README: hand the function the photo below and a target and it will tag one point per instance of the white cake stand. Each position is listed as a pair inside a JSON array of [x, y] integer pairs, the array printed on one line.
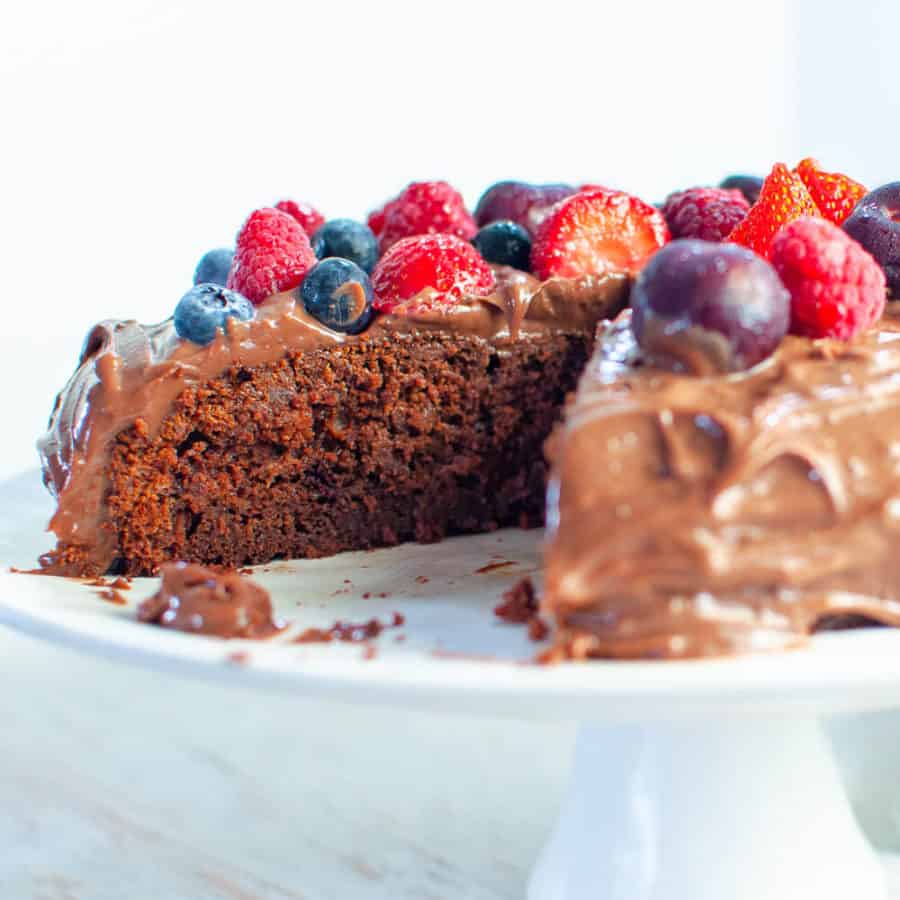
[[691, 781]]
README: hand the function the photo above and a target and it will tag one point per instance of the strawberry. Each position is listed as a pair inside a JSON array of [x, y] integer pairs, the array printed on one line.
[[432, 270], [783, 198], [835, 194], [596, 232]]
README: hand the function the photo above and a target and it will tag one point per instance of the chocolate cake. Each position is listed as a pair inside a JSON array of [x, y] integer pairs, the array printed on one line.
[[285, 438], [709, 515]]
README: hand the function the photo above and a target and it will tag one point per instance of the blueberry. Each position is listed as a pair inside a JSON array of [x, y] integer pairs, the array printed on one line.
[[702, 307], [748, 185], [875, 223], [338, 293], [504, 243], [348, 240], [213, 267], [205, 307]]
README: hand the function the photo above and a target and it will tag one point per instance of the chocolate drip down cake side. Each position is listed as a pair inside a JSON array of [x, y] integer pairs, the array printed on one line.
[[725, 478]]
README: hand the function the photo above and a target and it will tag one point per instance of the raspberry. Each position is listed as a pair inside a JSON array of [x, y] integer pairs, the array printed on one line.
[[710, 214], [596, 232], [837, 289], [375, 220], [783, 198], [272, 254], [310, 219], [833, 193], [446, 266], [426, 207]]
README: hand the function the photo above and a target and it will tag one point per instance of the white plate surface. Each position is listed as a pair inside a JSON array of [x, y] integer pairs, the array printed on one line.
[[455, 655]]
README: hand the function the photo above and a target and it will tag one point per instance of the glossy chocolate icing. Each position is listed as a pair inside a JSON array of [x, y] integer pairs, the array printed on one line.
[[198, 600], [131, 374], [697, 516]]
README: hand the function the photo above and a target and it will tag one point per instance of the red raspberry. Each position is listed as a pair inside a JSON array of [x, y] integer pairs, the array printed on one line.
[[837, 289], [596, 232], [375, 220], [782, 199], [426, 207], [833, 193], [445, 266], [272, 254], [706, 213], [310, 219]]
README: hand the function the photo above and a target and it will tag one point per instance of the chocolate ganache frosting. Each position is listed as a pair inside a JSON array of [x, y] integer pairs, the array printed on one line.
[[131, 374], [198, 600], [709, 515]]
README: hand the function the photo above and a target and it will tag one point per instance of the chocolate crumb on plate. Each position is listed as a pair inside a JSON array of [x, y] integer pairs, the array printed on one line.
[[198, 600]]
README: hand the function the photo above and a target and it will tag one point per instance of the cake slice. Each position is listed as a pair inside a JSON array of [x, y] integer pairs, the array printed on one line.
[[704, 503]]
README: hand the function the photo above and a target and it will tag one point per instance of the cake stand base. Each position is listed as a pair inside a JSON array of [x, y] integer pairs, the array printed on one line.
[[743, 808]]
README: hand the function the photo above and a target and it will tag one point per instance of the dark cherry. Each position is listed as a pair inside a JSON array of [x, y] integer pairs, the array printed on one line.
[[875, 223], [748, 185], [517, 201], [704, 308]]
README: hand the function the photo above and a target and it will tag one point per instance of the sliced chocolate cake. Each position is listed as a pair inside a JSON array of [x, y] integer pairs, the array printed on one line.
[[310, 407]]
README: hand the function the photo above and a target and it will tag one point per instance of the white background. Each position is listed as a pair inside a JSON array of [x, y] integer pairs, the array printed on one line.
[[135, 135]]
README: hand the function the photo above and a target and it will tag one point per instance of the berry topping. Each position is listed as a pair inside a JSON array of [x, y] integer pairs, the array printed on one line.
[[349, 240], [707, 213], [836, 287], [375, 219], [442, 264], [834, 194], [783, 198], [597, 232], [504, 243], [272, 254], [338, 293], [205, 308], [517, 201], [426, 207], [748, 185], [309, 218], [702, 308], [213, 266], [875, 223]]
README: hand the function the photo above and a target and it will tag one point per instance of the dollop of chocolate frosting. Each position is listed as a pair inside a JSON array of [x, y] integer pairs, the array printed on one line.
[[130, 373], [697, 516], [199, 600]]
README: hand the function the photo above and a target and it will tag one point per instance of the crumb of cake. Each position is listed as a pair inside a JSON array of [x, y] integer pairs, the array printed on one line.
[[121, 584], [519, 604], [349, 632], [370, 651], [238, 657], [112, 596], [422, 579], [538, 629], [493, 566]]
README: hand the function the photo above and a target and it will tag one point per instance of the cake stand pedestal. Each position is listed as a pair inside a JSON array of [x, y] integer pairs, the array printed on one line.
[[741, 807]]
